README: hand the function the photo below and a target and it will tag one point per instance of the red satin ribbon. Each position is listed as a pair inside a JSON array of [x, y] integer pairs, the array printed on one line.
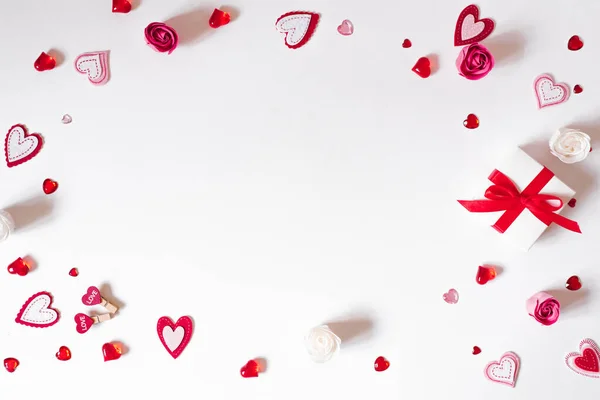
[[503, 195]]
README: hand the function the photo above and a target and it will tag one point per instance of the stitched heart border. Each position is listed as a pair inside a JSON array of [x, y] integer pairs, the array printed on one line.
[[185, 322], [47, 298], [312, 25], [20, 160], [474, 11], [570, 358]]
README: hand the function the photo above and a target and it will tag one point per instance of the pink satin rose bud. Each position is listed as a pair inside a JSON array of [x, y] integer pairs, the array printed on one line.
[[474, 62], [544, 308], [161, 37]]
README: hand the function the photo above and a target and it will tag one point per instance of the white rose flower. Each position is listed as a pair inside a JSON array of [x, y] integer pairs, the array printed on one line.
[[7, 225], [322, 344], [570, 145]]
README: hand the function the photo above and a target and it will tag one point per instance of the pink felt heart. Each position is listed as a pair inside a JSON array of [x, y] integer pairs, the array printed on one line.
[[174, 336], [94, 65], [83, 323], [469, 29], [92, 296], [37, 313], [504, 371], [346, 28], [549, 93], [587, 361]]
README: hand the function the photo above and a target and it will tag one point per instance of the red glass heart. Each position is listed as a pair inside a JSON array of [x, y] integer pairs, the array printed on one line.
[[19, 267], [111, 352], [476, 350], [406, 44], [485, 273], [573, 283], [572, 203], [49, 186], [219, 18], [588, 361], [575, 43], [250, 370], [44, 62], [381, 364], [577, 89], [74, 272], [121, 6], [11, 364], [471, 122], [63, 354], [422, 67]]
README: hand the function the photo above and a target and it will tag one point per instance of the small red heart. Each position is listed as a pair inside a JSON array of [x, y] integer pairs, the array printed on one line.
[[92, 296], [575, 43], [422, 67], [83, 323], [18, 267], [250, 370], [476, 350], [219, 18], [577, 89], [406, 44], [573, 283], [485, 273], [74, 272], [121, 6], [111, 352], [471, 122], [11, 364], [588, 361], [63, 354], [572, 203], [44, 62], [49, 186], [381, 364]]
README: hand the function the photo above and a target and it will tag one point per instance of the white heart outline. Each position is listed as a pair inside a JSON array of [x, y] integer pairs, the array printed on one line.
[[95, 66], [14, 150], [37, 313], [298, 27], [542, 99], [510, 360]]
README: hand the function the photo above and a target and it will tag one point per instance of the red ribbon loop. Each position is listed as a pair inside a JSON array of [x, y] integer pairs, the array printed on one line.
[[504, 195]]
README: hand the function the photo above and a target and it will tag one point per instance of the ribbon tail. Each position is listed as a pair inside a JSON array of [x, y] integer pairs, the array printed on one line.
[[549, 217], [487, 205]]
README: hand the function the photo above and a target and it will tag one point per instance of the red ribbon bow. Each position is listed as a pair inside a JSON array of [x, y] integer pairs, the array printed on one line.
[[503, 195]]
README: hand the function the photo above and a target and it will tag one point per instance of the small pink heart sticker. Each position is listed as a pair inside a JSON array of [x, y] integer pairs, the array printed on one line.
[[346, 28], [83, 323], [92, 296], [451, 297]]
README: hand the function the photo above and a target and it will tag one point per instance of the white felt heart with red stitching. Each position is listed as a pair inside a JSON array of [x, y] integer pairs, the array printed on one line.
[[19, 146], [298, 27]]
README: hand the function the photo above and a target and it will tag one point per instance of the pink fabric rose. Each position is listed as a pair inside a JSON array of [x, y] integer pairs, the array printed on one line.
[[161, 37], [474, 62], [544, 308]]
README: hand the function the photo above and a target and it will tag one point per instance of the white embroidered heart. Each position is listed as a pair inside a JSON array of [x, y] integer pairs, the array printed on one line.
[[470, 28], [20, 146], [36, 312], [504, 371], [549, 93], [94, 65], [173, 338], [297, 26], [587, 361]]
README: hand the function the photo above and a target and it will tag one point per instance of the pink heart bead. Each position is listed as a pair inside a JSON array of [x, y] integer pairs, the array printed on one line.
[[346, 28], [451, 297]]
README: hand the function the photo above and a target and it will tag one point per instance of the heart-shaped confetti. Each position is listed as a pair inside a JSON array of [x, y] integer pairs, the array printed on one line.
[[549, 93], [504, 371], [469, 29], [346, 28], [20, 146], [94, 65], [37, 313], [451, 297], [298, 27], [587, 361], [174, 336]]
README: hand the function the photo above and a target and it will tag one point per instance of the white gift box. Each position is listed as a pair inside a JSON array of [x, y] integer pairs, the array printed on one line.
[[522, 170]]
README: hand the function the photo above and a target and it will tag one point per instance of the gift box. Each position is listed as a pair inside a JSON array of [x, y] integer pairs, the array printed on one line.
[[520, 199]]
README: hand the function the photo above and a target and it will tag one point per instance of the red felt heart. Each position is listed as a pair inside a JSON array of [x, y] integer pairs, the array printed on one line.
[[92, 296], [422, 67], [575, 43], [470, 29], [174, 336], [111, 352], [588, 361]]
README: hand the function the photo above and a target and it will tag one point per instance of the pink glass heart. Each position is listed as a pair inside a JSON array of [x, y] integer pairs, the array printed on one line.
[[66, 119], [451, 297], [346, 28]]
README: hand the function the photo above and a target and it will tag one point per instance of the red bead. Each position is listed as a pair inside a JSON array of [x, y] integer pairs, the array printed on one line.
[[577, 89], [219, 18], [74, 272], [381, 364], [19, 267], [49, 186], [476, 350], [471, 122], [63, 354], [11, 364], [573, 283], [422, 67], [485, 273], [575, 43], [111, 351], [44, 62], [121, 6], [250, 370], [572, 203], [406, 44]]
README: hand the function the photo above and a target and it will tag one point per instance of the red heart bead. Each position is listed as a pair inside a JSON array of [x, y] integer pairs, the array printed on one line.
[[572, 203], [74, 272], [11, 364], [406, 44], [44, 62], [19, 267], [577, 89], [219, 18], [63, 354], [250, 370], [381, 364], [49, 186], [485, 273], [111, 352], [575, 43], [471, 122], [476, 350], [422, 67], [573, 283], [121, 6]]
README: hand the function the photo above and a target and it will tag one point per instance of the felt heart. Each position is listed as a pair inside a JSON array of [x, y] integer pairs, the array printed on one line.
[[174, 336], [83, 323], [19, 146], [37, 313], [587, 361], [470, 29], [549, 93], [346, 28], [92, 297], [504, 371], [298, 27], [422, 67], [94, 65]]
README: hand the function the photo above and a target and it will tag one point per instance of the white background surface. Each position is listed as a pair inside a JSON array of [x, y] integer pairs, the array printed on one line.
[[263, 191]]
